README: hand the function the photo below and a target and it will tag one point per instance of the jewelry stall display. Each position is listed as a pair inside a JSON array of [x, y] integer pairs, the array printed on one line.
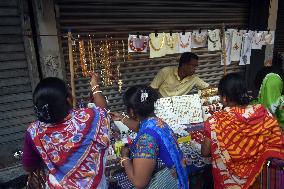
[[75, 57], [214, 40], [228, 46], [178, 110], [257, 40], [164, 109], [105, 57], [187, 109], [83, 60], [117, 59], [91, 54], [172, 40], [269, 37], [246, 48], [210, 102], [236, 45], [199, 39], [138, 43], [184, 42], [157, 45]]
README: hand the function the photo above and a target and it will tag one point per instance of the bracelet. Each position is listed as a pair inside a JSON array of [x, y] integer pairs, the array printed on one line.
[[97, 92], [123, 159], [94, 87], [123, 118]]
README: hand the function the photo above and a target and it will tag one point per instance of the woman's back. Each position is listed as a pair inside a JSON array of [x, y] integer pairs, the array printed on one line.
[[73, 150]]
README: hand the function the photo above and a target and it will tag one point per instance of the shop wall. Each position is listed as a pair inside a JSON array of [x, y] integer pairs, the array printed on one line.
[[120, 18]]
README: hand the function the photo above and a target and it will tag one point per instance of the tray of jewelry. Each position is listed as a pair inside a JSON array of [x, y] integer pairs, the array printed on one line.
[[179, 109]]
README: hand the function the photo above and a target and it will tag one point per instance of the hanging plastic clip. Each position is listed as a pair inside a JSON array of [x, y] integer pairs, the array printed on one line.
[[156, 33]]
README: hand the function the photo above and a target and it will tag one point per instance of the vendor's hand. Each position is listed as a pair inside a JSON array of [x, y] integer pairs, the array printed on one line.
[[116, 116], [125, 152], [94, 79]]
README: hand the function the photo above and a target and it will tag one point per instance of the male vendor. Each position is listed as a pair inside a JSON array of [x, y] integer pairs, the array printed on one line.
[[176, 81]]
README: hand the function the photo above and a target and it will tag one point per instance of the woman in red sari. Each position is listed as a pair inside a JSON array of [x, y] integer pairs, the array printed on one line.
[[240, 138], [71, 144]]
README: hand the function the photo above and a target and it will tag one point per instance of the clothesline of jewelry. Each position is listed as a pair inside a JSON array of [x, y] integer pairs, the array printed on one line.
[[88, 59]]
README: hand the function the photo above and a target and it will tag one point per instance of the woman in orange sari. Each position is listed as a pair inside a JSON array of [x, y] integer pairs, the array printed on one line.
[[240, 138]]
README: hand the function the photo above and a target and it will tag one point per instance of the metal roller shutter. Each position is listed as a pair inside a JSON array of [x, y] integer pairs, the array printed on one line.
[[16, 107], [279, 36], [120, 18]]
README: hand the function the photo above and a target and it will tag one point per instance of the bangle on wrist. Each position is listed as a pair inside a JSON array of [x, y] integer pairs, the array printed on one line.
[[95, 92], [123, 118], [94, 88], [123, 159]]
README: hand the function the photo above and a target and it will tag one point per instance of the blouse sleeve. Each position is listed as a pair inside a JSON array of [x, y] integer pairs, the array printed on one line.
[[31, 158], [146, 147]]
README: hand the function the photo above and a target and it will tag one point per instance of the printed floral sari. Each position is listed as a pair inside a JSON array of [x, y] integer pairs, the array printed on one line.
[[74, 151]]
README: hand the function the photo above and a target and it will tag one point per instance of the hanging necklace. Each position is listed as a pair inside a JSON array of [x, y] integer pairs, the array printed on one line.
[[83, 59], [138, 44], [213, 38], [171, 41], [268, 38], [258, 37], [248, 46], [199, 38], [236, 45], [182, 44], [161, 45]]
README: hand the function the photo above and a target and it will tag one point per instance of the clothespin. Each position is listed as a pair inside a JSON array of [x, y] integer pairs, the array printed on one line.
[[183, 32], [137, 34], [199, 30], [156, 33], [171, 33]]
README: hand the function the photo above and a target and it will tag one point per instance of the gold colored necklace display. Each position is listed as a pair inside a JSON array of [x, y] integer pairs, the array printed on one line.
[[161, 45], [106, 62], [171, 41], [83, 60], [75, 55]]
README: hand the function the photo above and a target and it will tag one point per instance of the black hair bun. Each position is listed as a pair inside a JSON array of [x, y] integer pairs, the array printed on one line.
[[141, 99]]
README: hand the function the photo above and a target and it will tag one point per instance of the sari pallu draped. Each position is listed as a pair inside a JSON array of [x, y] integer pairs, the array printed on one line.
[[167, 137], [242, 139], [75, 150]]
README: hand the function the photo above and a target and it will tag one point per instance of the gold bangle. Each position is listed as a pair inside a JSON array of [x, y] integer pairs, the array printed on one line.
[[122, 160]]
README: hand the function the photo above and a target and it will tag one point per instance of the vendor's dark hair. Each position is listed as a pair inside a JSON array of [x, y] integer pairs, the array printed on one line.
[[50, 100], [186, 57], [141, 99], [233, 87]]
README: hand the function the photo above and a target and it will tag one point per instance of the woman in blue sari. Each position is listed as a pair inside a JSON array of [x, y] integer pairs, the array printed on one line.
[[154, 159]]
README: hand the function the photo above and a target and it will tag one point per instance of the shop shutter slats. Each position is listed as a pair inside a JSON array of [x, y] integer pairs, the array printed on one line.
[[279, 36], [117, 19], [16, 107]]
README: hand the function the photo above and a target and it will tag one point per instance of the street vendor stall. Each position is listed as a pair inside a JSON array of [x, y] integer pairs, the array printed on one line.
[[185, 115]]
